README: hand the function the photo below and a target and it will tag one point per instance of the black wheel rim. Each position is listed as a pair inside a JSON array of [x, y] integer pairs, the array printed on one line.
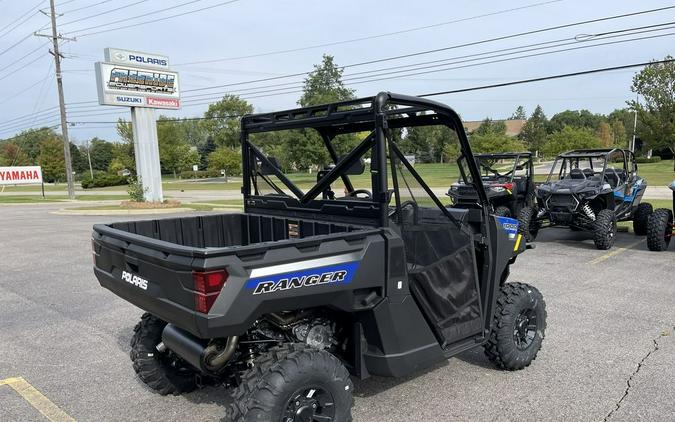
[[525, 329], [310, 404]]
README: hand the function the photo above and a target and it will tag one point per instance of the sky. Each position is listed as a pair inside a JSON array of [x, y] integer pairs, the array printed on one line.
[[249, 40]]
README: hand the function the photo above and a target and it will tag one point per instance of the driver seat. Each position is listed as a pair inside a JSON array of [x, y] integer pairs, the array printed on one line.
[[577, 174]]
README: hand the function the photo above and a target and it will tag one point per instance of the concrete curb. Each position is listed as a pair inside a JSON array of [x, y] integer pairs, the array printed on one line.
[[66, 211]]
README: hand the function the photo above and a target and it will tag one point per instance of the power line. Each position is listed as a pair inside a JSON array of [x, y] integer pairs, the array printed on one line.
[[461, 90], [21, 67], [116, 9], [383, 35], [84, 7], [40, 47], [418, 53], [13, 21], [158, 19]]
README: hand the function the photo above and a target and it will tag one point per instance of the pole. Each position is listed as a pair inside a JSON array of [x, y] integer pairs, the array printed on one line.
[[62, 104], [146, 149], [91, 169], [632, 144]]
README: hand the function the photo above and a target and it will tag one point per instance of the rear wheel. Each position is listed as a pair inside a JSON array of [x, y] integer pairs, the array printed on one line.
[[518, 327], [659, 230], [604, 229], [161, 371], [642, 213], [294, 383], [528, 225], [502, 211]]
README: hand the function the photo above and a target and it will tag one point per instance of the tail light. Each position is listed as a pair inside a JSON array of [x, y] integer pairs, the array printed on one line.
[[208, 286]]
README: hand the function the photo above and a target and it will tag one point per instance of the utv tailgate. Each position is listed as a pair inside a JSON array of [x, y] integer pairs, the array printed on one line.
[[134, 261]]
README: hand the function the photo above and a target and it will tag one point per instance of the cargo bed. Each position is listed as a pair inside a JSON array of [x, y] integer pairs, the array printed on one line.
[[151, 263]]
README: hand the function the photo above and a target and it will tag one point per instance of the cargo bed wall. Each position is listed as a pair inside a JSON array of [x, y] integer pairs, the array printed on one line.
[[213, 231]]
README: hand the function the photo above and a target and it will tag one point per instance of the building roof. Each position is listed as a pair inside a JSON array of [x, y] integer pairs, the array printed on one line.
[[513, 127]]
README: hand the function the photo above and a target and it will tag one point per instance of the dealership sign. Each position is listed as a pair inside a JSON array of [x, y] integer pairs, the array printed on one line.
[[134, 79], [26, 175]]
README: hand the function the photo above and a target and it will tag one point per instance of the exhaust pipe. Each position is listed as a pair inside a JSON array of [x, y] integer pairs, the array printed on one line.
[[193, 351]]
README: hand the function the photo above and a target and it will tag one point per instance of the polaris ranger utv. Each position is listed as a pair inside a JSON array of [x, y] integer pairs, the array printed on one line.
[[286, 300], [660, 228], [508, 182], [590, 190]]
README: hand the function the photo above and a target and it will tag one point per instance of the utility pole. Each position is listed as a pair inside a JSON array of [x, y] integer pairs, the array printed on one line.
[[632, 143], [91, 170], [62, 103]]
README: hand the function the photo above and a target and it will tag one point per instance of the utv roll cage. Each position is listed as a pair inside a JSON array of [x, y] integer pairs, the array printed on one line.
[[605, 154], [516, 156], [376, 115]]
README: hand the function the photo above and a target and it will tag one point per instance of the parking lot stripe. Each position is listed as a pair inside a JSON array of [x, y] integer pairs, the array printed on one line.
[[36, 399], [615, 252]]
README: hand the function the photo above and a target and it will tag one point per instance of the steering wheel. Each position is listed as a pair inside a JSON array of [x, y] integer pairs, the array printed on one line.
[[353, 193]]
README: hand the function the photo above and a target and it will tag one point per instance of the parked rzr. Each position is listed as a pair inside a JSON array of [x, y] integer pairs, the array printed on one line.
[[660, 227], [508, 182], [590, 190], [309, 286]]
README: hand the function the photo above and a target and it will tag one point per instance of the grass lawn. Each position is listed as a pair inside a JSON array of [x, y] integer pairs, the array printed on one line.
[[657, 174]]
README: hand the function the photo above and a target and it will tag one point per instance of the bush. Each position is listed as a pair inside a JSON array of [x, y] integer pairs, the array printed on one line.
[[136, 190], [201, 174], [103, 180], [645, 160]]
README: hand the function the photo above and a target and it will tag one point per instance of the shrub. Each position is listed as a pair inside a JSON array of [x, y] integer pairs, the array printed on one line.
[[201, 174], [136, 191], [103, 180], [645, 160]]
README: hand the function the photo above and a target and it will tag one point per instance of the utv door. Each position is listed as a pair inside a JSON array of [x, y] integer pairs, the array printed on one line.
[[440, 258]]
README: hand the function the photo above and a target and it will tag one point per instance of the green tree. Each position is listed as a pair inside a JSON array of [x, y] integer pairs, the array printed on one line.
[[101, 152], [534, 130], [324, 85], [519, 114], [12, 155], [623, 121], [604, 132], [80, 164], [656, 111], [222, 120], [575, 118], [491, 137], [570, 138], [29, 141], [228, 159], [175, 154], [51, 159]]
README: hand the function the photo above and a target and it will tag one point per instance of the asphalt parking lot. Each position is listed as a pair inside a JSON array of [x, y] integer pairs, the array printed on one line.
[[608, 353]]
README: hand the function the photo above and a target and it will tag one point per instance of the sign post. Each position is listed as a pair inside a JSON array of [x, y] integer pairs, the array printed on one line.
[[143, 82]]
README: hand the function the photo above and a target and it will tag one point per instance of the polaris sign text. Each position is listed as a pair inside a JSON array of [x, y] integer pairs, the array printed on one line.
[[25, 175], [135, 79], [135, 58]]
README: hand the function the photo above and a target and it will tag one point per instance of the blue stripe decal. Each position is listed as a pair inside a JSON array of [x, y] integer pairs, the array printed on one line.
[[509, 225], [332, 274]]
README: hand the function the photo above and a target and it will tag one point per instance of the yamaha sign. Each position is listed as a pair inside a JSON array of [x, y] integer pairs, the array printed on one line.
[[136, 79]]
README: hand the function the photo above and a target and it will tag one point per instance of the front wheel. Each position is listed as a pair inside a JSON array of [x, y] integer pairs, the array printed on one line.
[[604, 229], [659, 230], [518, 327], [528, 225], [293, 383], [642, 213]]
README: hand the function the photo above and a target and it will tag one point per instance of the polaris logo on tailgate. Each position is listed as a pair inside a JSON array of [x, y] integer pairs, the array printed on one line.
[[329, 275], [135, 280]]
